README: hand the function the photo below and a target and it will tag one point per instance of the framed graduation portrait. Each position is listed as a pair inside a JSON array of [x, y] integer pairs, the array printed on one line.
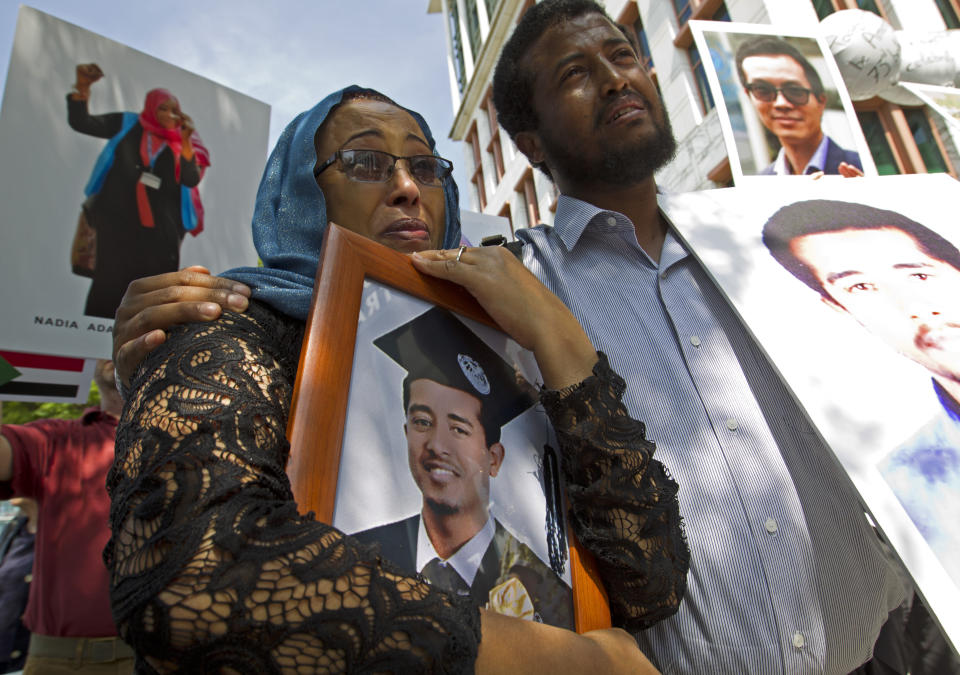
[[416, 426]]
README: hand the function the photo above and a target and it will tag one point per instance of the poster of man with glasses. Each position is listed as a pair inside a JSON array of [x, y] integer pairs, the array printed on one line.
[[781, 103]]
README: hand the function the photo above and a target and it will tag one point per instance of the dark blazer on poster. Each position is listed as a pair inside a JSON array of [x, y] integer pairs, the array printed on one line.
[[506, 556], [835, 155]]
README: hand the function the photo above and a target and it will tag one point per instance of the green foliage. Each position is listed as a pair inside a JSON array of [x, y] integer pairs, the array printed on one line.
[[20, 412]]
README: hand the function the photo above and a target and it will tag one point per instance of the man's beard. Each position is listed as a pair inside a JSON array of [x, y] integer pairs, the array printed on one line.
[[625, 164], [440, 508]]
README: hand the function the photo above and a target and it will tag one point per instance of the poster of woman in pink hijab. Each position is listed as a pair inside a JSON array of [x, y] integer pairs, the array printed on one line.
[[142, 196], [118, 165]]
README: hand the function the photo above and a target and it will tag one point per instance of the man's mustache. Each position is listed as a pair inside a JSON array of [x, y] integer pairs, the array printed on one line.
[[629, 96]]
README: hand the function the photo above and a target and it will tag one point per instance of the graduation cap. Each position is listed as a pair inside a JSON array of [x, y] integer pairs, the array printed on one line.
[[437, 346]]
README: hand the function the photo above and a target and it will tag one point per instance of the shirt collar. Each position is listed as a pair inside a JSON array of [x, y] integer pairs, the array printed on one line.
[[466, 561], [816, 163], [574, 215], [673, 250]]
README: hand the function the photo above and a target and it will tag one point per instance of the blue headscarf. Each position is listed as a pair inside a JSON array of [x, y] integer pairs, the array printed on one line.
[[290, 215]]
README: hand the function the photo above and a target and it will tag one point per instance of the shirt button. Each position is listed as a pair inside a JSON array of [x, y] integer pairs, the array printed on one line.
[[27, 579], [771, 526], [15, 654], [611, 221], [732, 425], [694, 340], [798, 640]]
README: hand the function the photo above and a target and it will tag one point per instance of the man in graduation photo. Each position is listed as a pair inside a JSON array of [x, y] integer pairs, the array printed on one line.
[[457, 395]]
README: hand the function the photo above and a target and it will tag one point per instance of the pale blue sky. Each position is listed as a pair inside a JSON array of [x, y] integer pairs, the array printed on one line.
[[288, 53]]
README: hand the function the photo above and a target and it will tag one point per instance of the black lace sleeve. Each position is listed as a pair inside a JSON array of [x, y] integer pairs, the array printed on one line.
[[212, 569], [623, 504]]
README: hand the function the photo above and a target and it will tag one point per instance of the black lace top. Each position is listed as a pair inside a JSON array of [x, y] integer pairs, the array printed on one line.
[[213, 569]]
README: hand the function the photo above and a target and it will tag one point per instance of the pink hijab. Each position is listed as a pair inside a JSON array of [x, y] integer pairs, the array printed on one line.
[[156, 136]]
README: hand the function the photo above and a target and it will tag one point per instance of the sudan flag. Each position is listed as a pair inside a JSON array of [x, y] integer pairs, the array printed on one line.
[[40, 377]]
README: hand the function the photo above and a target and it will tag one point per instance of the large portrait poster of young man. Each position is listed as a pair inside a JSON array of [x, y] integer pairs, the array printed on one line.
[[782, 104], [116, 165], [445, 462], [851, 288]]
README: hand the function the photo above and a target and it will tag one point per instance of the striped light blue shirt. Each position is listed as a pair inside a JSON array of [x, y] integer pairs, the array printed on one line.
[[786, 574]]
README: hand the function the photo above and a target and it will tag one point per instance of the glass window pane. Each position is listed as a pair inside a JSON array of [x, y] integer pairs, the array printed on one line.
[[491, 8], [877, 140], [926, 141], [700, 75], [824, 8], [458, 65], [645, 56], [949, 14], [473, 27], [683, 10], [870, 6]]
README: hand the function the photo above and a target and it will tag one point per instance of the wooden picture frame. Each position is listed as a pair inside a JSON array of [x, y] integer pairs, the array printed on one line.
[[324, 376]]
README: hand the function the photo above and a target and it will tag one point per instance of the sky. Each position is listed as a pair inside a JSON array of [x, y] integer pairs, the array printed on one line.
[[287, 53]]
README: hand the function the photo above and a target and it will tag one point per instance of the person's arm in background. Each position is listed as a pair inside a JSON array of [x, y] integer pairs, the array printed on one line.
[[78, 117], [25, 451], [190, 171], [6, 459]]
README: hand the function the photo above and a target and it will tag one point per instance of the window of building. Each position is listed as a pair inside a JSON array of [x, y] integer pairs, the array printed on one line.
[[631, 24], [826, 7], [927, 141], [455, 42], [494, 147], [902, 140], [683, 9], [528, 199], [950, 12], [868, 5], [479, 189], [473, 27], [706, 10], [876, 137], [823, 8], [700, 77], [505, 213], [522, 210], [721, 175], [646, 58]]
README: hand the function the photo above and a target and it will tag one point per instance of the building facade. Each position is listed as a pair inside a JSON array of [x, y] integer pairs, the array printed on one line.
[[902, 139]]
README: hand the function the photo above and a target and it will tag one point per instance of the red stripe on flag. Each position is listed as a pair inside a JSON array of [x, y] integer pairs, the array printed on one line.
[[43, 361]]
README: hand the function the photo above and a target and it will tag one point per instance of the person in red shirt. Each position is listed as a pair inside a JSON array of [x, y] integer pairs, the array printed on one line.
[[63, 464]]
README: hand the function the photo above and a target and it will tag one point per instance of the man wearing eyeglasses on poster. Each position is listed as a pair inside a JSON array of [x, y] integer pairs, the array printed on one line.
[[788, 95]]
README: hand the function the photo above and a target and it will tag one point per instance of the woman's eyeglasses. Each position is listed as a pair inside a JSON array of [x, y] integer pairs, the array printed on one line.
[[766, 92], [375, 166]]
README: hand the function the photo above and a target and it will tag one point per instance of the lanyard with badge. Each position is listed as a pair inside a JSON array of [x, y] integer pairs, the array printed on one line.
[[148, 178]]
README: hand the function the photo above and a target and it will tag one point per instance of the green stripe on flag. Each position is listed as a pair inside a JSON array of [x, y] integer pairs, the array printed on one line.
[[7, 372]]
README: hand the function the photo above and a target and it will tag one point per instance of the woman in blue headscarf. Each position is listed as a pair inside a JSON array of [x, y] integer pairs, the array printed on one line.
[[212, 566]]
